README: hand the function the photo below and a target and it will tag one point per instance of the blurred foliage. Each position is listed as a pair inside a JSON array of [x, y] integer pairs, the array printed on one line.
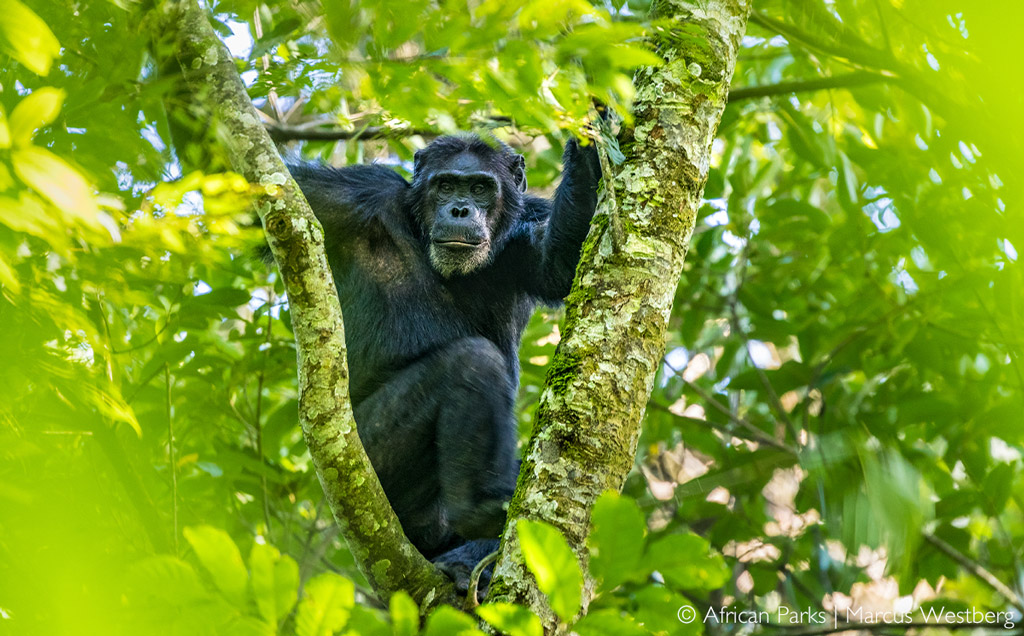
[[843, 383]]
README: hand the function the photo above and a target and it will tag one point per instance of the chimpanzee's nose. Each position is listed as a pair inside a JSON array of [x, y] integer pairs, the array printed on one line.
[[460, 212]]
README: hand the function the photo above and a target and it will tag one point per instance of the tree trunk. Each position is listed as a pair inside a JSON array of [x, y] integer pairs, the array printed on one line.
[[588, 422], [367, 521]]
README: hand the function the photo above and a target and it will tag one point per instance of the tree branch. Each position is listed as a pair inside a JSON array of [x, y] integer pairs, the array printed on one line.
[[281, 133], [845, 80], [842, 43], [356, 498], [976, 569]]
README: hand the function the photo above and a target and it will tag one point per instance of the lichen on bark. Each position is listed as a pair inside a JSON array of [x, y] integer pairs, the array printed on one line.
[[588, 422], [382, 552]]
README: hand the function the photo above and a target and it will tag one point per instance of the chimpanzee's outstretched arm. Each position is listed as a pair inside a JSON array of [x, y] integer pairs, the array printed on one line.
[[559, 240]]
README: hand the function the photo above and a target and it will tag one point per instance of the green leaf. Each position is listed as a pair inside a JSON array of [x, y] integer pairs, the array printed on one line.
[[608, 622], [448, 621], [627, 56], [998, 487], [275, 582], [219, 555], [849, 187], [366, 621], [685, 561], [510, 619], [26, 38], [5, 139], [36, 110], [405, 616], [325, 607], [225, 297], [660, 610], [553, 564], [616, 539], [8, 278], [164, 578]]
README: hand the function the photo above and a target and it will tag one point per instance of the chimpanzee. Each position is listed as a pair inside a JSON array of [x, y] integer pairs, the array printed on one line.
[[437, 280]]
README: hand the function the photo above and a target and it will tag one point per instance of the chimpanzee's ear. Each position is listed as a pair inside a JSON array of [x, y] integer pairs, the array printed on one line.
[[519, 172], [417, 161]]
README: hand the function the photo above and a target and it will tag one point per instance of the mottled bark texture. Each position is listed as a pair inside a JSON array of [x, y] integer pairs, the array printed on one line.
[[588, 422], [360, 507]]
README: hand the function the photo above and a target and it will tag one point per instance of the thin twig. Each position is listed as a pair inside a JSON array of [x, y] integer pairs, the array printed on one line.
[[258, 421], [171, 454], [976, 569], [845, 80], [754, 431], [474, 579], [752, 436], [733, 302]]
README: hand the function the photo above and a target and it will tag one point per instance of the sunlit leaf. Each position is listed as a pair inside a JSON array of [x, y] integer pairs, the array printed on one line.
[[514, 620], [608, 622], [7, 276], [685, 562], [52, 177], [219, 555], [448, 621], [325, 606], [26, 38], [37, 109], [553, 564], [275, 582], [616, 540], [405, 616], [5, 134]]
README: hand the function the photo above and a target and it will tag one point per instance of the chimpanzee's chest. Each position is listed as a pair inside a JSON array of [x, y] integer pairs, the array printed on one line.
[[397, 309]]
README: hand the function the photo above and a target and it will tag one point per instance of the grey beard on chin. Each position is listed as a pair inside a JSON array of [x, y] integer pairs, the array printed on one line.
[[450, 263]]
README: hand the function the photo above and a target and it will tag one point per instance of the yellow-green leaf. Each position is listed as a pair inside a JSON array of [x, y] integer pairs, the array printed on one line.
[[405, 616], [553, 564], [26, 38], [326, 605], [448, 621], [36, 110], [510, 619], [5, 130], [219, 555], [108, 401], [275, 582], [62, 185], [8, 278]]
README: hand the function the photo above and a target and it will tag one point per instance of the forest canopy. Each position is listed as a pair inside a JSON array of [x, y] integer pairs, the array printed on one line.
[[836, 428]]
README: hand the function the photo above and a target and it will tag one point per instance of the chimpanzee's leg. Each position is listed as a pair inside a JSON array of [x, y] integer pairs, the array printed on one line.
[[459, 562], [441, 437], [476, 439]]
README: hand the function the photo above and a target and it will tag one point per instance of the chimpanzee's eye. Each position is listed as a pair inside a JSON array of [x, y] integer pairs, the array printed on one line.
[[446, 186], [479, 189]]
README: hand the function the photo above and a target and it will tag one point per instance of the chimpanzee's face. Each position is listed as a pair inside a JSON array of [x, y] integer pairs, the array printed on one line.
[[462, 212]]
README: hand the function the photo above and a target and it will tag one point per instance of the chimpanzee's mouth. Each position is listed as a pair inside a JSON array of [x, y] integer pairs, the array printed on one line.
[[458, 243]]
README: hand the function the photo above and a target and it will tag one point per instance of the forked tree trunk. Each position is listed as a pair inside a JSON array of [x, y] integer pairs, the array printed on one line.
[[585, 438], [586, 430]]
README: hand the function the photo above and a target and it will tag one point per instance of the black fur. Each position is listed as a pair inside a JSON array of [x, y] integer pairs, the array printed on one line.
[[433, 355]]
